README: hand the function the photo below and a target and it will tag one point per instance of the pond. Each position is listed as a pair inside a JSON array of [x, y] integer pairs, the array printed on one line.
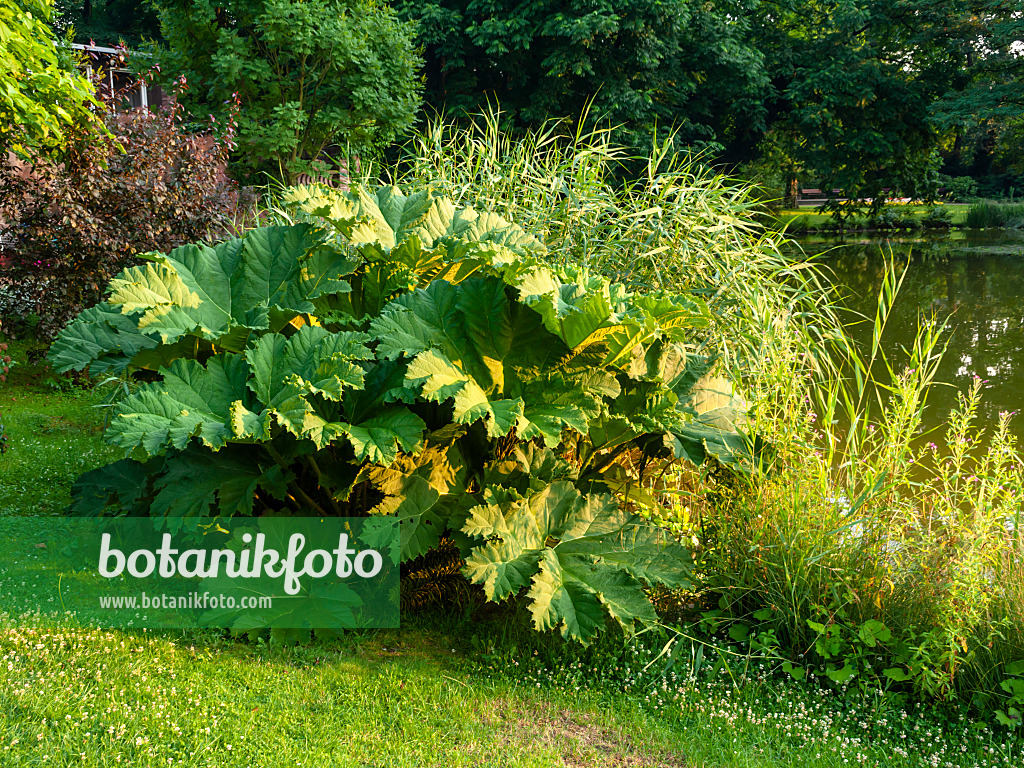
[[973, 278]]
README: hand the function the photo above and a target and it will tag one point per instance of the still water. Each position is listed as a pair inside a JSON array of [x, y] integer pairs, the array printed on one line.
[[973, 278]]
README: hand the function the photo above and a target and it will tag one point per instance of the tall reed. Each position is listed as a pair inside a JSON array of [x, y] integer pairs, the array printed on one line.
[[990, 214], [661, 220], [868, 519]]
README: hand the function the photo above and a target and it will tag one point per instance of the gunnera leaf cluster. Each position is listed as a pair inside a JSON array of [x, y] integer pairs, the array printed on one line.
[[390, 354]]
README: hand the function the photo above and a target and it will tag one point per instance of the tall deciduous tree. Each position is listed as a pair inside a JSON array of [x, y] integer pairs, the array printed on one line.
[[109, 22], [872, 86], [682, 63], [311, 74], [40, 94]]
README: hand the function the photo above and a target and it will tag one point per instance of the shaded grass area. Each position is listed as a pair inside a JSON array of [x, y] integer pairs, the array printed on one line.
[[476, 689]]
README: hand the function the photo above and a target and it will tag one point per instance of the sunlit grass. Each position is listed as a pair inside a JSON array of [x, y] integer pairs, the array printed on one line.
[[95, 698], [809, 217], [53, 437], [746, 713], [440, 692]]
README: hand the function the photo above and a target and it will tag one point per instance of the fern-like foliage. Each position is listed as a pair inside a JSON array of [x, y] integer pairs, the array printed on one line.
[[391, 354]]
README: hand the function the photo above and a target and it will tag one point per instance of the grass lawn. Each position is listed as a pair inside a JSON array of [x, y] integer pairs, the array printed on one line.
[[54, 437], [809, 216], [473, 688]]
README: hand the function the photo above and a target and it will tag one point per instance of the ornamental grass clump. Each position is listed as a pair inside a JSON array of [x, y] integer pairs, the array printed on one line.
[[393, 354]]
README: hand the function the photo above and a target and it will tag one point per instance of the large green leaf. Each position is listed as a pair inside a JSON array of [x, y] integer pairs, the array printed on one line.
[[581, 555], [311, 361], [475, 325], [470, 344], [420, 512], [552, 404], [386, 218], [286, 371], [422, 489], [123, 485], [585, 311], [193, 400], [378, 439], [101, 339], [441, 380], [219, 295], [566, 595], [193, 482]]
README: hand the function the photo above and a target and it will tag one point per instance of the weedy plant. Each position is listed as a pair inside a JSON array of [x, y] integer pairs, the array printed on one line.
[[394, 354], [873, 553]]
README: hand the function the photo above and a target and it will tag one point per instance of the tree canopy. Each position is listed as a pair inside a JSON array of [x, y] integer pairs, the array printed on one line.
[[109, 22], [41, 94], [872, 87], [862, 95], [683, 63], [859, 94], [309, 74]]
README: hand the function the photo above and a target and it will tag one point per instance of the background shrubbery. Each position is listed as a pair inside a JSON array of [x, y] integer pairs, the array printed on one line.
[[81, 214]]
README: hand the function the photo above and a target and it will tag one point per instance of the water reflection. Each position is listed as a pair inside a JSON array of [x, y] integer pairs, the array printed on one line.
[[974, 278]]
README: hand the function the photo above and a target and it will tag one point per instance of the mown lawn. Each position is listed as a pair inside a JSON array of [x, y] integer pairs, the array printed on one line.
[[55, 433], [809, 217], [474, 688]]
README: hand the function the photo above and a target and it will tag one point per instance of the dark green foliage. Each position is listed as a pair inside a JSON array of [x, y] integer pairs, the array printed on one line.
[[683, 63], [872, 89], [109, 22], [396, 355], [313, 77]]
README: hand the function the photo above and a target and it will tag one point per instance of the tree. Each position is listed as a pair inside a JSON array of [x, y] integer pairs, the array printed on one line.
[[311, 74], [109, 22], [873, 87], [680, 63], [41, 94], [984, 44]]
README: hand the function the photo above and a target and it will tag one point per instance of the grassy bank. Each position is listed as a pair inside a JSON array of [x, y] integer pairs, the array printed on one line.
[[990, 214], [795, 220]]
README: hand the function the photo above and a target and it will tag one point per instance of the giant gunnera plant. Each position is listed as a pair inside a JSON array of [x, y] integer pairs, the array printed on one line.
[[389, 354]]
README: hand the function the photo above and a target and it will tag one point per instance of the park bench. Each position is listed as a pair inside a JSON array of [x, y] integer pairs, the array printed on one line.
[[810, 197]]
